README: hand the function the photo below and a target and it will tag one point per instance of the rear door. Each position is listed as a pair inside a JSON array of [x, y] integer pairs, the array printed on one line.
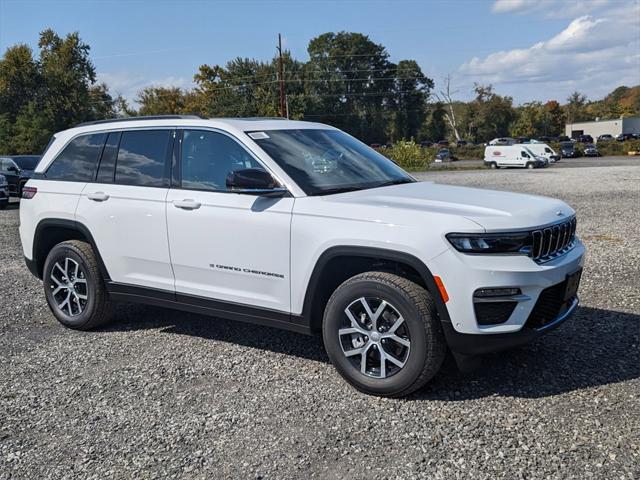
[[124, 207], [226, 246]]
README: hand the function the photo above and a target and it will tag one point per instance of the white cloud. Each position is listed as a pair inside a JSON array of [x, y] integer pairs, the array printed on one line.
[[556, 8], [594, 53], [129, 84]]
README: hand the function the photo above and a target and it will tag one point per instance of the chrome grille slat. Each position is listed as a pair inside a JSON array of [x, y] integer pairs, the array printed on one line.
[[550, 242]]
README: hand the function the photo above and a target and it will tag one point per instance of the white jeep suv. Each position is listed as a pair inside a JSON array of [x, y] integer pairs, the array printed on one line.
[[299, 226]]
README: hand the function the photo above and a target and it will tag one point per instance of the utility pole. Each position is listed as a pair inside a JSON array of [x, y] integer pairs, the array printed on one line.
[[283, 107]]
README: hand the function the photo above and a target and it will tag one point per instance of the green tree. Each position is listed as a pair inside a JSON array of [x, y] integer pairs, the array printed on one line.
[[529, 121], [575, 109], [553, 118], [51, 93], [161, 101], [411, 92], [490, 114], [435, 126], [350, 84]]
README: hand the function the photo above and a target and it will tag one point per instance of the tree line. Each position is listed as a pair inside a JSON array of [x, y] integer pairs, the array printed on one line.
[[348, 81]]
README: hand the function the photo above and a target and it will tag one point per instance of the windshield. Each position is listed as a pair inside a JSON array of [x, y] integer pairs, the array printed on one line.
[[328, 161], [27, 163]]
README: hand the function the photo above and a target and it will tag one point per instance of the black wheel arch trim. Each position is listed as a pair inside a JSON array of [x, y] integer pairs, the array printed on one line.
[[380, 253], [69, 225]]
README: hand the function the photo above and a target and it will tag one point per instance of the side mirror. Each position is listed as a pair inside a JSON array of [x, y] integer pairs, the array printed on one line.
[[254, 181], [13, 168]]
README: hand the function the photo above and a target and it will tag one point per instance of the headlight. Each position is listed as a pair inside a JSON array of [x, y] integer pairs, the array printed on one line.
[[491, 242]]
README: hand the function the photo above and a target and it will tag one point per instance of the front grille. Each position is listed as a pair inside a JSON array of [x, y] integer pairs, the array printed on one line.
[[493, 313], [553, 241], [549, 306]]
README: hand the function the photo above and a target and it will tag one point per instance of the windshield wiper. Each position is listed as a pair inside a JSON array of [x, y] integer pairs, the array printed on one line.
[[397, 181], [330, 191]]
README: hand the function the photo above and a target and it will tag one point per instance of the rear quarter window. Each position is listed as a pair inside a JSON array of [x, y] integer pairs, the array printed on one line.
[[77, 162]]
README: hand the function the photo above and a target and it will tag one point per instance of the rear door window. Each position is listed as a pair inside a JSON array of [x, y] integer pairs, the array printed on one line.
[[143, 158], [77, 162], [107, 167]]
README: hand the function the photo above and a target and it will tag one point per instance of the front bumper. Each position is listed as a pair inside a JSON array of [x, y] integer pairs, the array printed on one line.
[[463, 274]]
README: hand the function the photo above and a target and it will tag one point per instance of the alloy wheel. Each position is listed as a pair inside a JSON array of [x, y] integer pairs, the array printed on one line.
[[374, 337], [69, 287]]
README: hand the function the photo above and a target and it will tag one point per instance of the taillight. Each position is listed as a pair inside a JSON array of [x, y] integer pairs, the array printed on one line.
[[29, 192]]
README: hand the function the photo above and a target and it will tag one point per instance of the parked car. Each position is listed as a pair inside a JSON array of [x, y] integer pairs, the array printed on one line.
[[502, 141], [445, 155], [564, 138], [497, 156], [231, 218], [4, 192], [376, 145], [523, 140], [590, 150], [426, 144], [605, 138], [443, 143], [585, 138], [18, 169], [625, 136], [461, 143], [568, 150]]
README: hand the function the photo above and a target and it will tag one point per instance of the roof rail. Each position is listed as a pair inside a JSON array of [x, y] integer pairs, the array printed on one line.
[[250, 118], [140, 118]]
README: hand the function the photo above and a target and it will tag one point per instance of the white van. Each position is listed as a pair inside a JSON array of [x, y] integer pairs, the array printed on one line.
[[512, 156], [544, 150]]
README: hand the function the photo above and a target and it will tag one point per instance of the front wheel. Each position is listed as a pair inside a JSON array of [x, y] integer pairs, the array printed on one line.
[[530, 166], [74, 287], [383, 335]]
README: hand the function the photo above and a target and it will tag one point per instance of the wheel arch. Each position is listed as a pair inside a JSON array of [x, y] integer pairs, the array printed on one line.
[[52, 231], [348, 261]]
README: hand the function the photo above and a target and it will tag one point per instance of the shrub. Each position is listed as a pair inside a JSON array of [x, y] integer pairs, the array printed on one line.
[[409, 155]]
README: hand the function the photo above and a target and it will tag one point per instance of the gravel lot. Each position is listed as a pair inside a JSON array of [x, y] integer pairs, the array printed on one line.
[[167, 394]]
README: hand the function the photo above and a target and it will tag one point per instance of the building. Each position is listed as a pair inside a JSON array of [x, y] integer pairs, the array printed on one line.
[[602, 127]]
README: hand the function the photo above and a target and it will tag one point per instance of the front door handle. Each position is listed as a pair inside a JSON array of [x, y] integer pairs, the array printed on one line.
[[186, 204], [98, 196]]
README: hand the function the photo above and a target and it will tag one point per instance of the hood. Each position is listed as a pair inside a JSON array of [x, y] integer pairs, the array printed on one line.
[[492, 210]]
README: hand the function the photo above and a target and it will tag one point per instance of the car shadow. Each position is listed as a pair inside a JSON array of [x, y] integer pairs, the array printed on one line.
[[141, 317], [595, 347]]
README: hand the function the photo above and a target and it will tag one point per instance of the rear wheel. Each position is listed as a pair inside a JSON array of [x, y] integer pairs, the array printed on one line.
[[493, 165], [74, 287], [383, 335]]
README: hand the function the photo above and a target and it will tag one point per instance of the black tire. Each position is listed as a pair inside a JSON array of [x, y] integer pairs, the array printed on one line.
[[97, 309], [530, 166], [421, 324], [493, 166]]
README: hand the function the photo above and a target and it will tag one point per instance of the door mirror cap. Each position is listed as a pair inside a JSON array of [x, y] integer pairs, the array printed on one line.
[[254, 181]]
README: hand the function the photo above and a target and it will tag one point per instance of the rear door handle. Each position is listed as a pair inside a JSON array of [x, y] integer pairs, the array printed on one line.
[[98, 196], [186, 204]]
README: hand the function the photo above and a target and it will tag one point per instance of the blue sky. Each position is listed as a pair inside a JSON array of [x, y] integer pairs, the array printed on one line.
[[532, 50]]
